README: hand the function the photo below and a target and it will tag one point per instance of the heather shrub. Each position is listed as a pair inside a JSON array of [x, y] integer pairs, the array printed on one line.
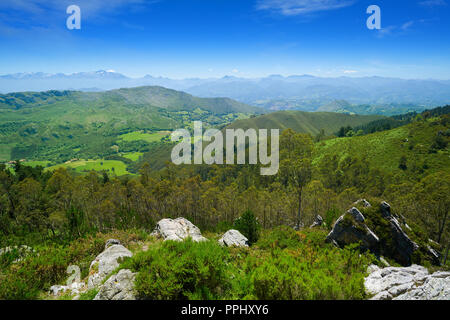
[[181, 270]]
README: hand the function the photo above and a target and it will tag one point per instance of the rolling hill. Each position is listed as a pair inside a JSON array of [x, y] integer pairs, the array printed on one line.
[[62, 125], [305, 122], [140, 96]]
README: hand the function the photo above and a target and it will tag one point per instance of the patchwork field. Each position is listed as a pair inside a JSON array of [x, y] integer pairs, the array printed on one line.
[[111, 166], [140, 135]]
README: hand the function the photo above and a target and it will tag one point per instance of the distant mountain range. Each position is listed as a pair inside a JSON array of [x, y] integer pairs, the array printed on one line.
[[275, 92]]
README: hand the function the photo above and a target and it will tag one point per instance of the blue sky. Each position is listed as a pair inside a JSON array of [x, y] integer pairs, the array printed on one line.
[[213, 38]]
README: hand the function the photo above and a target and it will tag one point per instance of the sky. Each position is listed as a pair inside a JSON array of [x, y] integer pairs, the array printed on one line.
[[214, 38]]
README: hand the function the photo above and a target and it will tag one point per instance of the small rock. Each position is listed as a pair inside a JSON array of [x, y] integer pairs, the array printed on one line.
[[118, 287], [57, 289], [177, 230], [317, 222], [233, 238], [110, 242]]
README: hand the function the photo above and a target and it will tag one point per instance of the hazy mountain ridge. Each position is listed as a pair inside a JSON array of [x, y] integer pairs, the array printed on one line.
[[275, 92], [148, 95]]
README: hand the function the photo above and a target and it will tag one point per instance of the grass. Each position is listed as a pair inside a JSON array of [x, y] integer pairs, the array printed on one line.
[[36, 163], [140, 135], [111, 166], [133, 156]]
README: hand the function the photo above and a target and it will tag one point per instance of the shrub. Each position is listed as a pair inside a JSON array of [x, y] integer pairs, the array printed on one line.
[[306, 273], [280, 237], [181, 270], [331, 216], [248, 225]]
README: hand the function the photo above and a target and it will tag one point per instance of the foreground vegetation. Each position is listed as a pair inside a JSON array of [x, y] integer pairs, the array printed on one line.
[[297, 265], [66, 217]]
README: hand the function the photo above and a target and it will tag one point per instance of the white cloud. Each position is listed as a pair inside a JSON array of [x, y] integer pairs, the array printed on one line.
[[432, 3], [301, 7], [235, 70], [350, 71], [88, 6], [407, 25]]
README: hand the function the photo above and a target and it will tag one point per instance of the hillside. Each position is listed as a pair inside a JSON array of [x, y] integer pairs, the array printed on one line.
[[304, 122], [416, 142], [150, 95], [62, 125]]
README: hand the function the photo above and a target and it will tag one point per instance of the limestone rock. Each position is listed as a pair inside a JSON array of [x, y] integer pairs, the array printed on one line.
[[344, 233], [404, 246], [118, 287], [233, 238], [356, 214], [385, 209], [407, 283], [105, 263], [318, 221], [177, 229], [110, 242]]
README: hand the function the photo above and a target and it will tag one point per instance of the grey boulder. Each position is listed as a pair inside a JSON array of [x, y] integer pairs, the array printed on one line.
[[233, 238], [344, 233], [177, 229], [105, 263], [118, 287]]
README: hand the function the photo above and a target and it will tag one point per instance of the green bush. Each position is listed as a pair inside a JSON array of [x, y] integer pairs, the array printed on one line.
[[248, 225], [181, 270], [331, 216], [279, 237], [38, 271], [308, 273]]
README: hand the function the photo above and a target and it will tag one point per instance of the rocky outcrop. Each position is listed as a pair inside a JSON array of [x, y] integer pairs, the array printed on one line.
[[118, 287], [177, 229], [318, 221], [233, 238], [105, 263], [381, 232], [407, 283], [350, 228], [403, 245]]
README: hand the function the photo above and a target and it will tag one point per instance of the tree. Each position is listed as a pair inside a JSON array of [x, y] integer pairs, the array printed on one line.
[[402, 164], [295, 165], [434, 191], [248, 225]]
